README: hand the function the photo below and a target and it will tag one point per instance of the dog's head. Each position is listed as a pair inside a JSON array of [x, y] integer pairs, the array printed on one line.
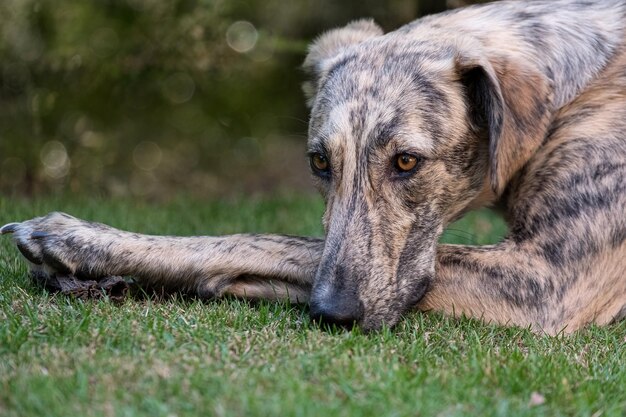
[[405, 135]]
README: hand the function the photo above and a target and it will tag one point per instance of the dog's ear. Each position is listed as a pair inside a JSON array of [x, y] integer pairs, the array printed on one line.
[[330, 45], [513, 102]]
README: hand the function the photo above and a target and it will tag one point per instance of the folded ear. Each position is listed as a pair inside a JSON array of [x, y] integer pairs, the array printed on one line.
[[330, 45], [513, 101]]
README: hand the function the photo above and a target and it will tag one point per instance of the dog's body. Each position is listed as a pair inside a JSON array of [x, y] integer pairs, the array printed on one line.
[[515, 104]]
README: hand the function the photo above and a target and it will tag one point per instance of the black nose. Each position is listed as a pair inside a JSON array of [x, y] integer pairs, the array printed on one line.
[[337, 312]]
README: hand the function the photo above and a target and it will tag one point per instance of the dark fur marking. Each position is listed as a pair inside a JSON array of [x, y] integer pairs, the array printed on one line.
[[385, 132], [436, 108], [567, 208], [55, 263], [25, 251], [521, 290], [618, 236], [336, 68]]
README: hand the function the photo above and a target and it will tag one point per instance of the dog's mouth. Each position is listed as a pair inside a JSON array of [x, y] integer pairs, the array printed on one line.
[[385, 307]]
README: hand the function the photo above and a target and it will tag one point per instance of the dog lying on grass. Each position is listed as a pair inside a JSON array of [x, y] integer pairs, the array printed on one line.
[[519, 105]]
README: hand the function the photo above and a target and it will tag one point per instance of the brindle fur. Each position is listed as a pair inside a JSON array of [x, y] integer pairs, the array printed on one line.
[[516, 104]]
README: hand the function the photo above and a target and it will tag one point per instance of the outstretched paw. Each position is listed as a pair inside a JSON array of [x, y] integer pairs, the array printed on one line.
[[59, 244]]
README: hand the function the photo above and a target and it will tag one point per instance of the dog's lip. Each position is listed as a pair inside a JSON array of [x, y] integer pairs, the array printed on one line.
[[374, 320]]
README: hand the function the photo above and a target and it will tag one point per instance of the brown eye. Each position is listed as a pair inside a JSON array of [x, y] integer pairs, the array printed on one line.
[[319, 162], [406, 162]]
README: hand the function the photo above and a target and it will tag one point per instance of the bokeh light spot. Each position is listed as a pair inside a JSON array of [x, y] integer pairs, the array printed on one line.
[[178, 88], [242, 36], [147, 156], [55, 160], [90, 139]]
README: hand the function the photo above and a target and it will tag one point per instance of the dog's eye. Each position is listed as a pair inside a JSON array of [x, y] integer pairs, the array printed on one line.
[[406, 163], [319, 163]]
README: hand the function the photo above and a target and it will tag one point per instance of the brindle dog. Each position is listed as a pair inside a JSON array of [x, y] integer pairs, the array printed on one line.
[[516, 104]]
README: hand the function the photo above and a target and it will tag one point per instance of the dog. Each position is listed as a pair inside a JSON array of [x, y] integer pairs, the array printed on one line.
[[516, 105]]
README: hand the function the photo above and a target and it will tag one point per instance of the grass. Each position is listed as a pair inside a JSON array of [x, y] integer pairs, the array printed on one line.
[[180, 357]]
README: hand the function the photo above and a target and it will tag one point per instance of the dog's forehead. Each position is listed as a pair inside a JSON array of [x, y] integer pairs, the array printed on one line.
[[373, 94], [380, 71], [370, 123]]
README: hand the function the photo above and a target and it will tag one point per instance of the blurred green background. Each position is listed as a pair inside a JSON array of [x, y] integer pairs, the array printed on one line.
[[154, 98]]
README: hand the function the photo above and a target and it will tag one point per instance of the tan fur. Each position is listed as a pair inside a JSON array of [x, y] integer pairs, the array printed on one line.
[[522, 88]]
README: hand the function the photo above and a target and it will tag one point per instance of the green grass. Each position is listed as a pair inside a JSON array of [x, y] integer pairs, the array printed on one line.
[[180, 357]]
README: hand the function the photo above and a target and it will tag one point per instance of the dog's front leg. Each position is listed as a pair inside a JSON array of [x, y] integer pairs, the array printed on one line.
[[252, 266], [496, 283]]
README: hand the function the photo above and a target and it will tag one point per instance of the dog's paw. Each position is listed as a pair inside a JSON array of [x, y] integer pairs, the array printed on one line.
[[61, 244]]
